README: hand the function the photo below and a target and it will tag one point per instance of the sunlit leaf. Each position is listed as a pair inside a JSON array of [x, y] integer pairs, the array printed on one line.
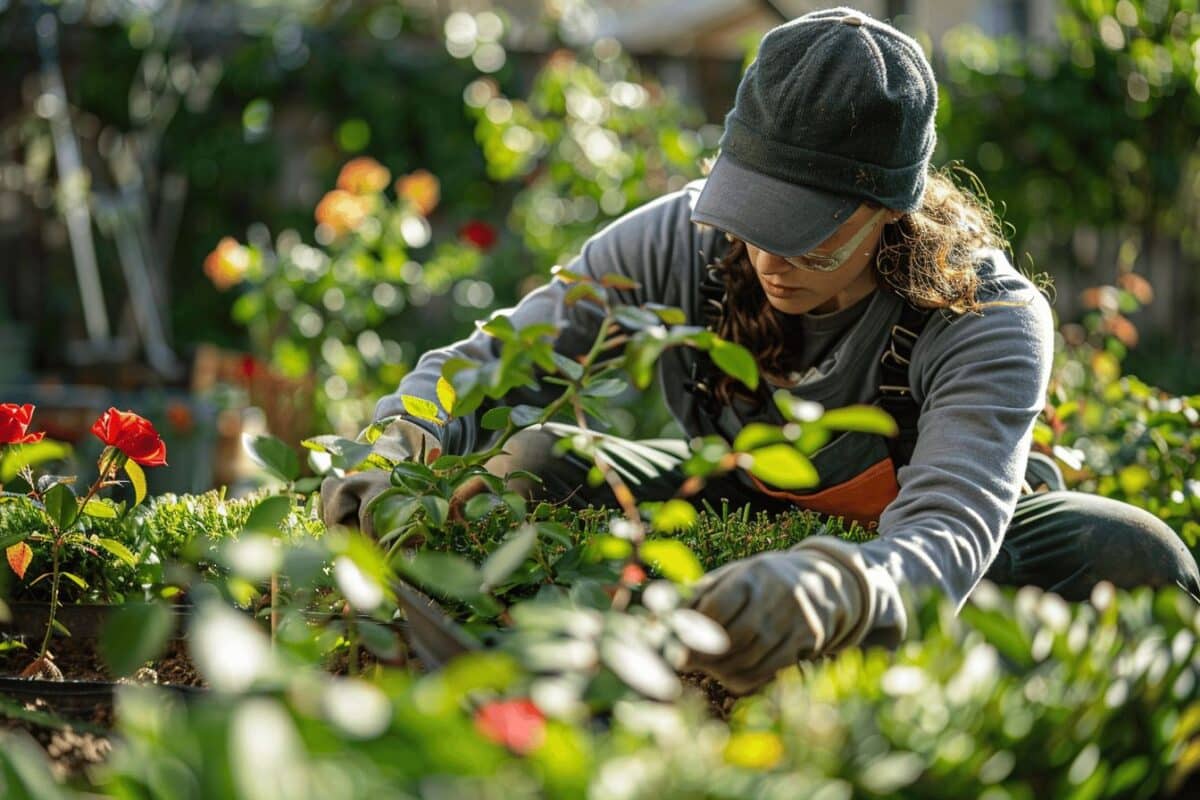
[[137, 479], [446, 395], [783, 466], [757, 434], [444, 573], [673, 559], [420, 408], [674, 515], [861, 418], [118, 549], [99, 509], [735, 360]]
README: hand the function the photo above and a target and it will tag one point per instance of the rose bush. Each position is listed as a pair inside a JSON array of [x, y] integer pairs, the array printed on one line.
[[14, 424]]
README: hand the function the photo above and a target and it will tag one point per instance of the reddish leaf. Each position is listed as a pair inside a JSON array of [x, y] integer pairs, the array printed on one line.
[[19, 556]]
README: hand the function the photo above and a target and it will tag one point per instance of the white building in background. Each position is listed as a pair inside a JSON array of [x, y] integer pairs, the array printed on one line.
[[718, 28]]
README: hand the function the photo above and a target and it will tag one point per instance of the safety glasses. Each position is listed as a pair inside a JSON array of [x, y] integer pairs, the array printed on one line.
[[816, 262]]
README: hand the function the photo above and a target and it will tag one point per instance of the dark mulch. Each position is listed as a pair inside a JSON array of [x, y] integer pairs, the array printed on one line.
[[79, 660]]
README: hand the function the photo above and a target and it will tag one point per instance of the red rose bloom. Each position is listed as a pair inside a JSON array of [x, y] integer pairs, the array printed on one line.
[[132, 435], [478, 233], [517, 724], [14, 421]]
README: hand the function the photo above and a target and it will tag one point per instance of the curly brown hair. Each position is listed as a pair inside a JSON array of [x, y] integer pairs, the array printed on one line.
[[927, 256]]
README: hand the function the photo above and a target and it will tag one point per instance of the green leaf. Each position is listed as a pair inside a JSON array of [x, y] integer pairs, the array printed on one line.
[[585, 290], [137, 479], [446, 395], [606, 387], [735, 360], [861, 418], [523, 415], [481, 505], [118, 549], [421, 408], [783, 466], [99, 509], [268, 513], [9, 539], [61, 506], [495, 419], [134, 634], [345, 454], [436, 508], [757, 434], [444, 573], [380, 640], [75, 579], [607, 546], [636, 318], [273, 455], [670, 315], [567, 366], [672, 559], [13, 458], [615, 280], [511, 554], [674, 515]]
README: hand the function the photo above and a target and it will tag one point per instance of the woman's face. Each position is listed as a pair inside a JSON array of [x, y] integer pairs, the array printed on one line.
[[798, 290]]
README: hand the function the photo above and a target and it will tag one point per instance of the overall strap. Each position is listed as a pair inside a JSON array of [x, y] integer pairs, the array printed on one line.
[[895, 394]]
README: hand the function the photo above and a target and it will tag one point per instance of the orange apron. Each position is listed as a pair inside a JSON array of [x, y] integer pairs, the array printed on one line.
[[861, 499]]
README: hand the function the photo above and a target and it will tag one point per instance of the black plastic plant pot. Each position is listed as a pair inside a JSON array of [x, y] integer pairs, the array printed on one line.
[[84, 621], [76, 698]]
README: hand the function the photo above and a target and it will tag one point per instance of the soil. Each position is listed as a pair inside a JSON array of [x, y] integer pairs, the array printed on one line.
[[71, 751], [79, 661]]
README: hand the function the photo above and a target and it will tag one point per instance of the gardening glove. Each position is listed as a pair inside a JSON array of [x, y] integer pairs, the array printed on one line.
[[779, 608], [344, 501]]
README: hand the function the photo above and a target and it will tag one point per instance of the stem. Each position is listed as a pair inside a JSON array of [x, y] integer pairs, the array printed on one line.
[[53, 598], [274, 606], [619, 489]]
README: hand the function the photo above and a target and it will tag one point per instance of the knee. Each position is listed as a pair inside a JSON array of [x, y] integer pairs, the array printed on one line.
[[1132, 547]]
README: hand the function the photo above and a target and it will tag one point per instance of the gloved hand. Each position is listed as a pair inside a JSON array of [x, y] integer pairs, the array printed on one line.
[[344, 500], [779, 608]]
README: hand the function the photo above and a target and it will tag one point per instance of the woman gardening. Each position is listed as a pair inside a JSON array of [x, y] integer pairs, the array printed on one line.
[[822, 241]]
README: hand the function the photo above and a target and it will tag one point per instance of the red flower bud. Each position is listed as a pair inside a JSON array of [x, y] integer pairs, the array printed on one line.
[[519, 725], [14, 421], [132, 435], [478, 233]]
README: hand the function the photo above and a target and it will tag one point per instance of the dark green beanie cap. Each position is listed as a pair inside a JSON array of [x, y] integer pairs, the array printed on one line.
[[835, 102]]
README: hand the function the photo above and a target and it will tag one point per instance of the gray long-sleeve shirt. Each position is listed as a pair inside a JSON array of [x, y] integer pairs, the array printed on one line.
[[979, 379]]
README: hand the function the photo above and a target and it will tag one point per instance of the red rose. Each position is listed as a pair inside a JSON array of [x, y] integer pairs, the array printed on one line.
[[517, 724], [478, 233], [132, 435], [14, 420]]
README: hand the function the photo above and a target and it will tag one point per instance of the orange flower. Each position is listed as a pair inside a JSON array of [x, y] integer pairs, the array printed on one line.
[[633, 575], [421, 189], [180, 417], [519, 725], [363, 175], [341, 211], [133, 435], [1137, 286], [226, 265], [1125, 331], [14, 422]]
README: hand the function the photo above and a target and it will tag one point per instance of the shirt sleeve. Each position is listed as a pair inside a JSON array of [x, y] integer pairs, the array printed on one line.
[[981, 380], [643, 245]]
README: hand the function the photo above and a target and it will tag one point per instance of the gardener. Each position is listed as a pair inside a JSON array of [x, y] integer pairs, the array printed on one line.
[[823, 242]]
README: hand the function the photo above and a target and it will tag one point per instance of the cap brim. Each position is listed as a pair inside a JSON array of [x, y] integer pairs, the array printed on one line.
[[785, 219]]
